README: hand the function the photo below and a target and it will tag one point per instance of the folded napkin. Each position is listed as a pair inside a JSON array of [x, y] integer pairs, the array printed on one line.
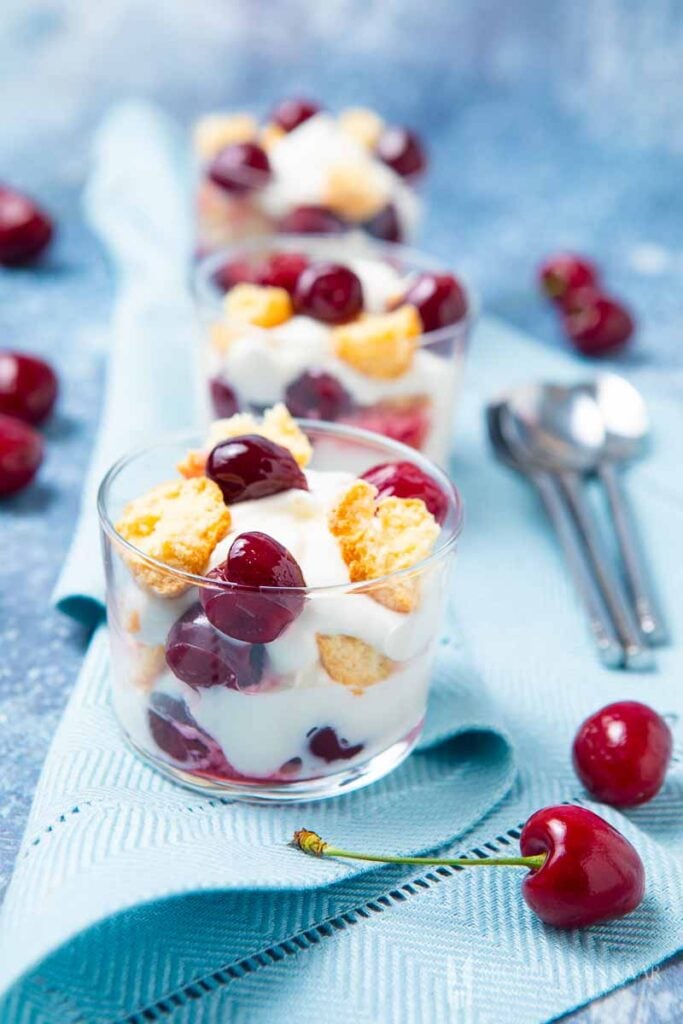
[[134, 900]]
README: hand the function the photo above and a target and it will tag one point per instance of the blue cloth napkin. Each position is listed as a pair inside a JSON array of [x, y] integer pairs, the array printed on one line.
[[135, 901]]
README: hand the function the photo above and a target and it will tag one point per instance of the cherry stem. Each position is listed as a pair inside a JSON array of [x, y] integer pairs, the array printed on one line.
[[311, 843]]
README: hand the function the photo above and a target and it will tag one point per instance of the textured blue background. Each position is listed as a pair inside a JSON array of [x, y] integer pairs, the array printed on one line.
[[550, 124]]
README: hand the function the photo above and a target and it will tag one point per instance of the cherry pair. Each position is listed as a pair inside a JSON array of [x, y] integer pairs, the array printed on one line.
[[597, 323], [28, 391]]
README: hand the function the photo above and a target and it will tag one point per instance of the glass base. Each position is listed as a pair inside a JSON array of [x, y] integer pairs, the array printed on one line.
[[321, 788]]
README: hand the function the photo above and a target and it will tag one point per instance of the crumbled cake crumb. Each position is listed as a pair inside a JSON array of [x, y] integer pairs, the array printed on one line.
[[216, 131], [380, 537], [270, 135], [178, 523], [364, 125], [380, 345], [351, 193], [260, 305], [352, 662]]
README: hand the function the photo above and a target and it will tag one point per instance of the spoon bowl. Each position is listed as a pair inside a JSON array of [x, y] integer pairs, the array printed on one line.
[[624, 415]]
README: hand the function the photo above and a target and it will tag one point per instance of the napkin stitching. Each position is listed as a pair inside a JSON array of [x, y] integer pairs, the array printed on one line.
[[307, 938]]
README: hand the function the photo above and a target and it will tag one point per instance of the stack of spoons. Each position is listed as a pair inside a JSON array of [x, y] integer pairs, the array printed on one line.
[[557, 436]]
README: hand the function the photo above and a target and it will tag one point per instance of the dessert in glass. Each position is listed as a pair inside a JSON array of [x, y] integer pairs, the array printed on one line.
[[305, 170], [274, 596], [364, 333]]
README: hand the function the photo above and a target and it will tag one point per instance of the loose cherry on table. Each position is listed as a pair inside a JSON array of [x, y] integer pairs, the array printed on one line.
[[317, 395], [28, 387], [581, 870], [311, 220], [25, 229], [267, 592], [329, 292], [439, 299], [406, 480], [564, 273], [289, 114], [240, 167], [21, 453], [251, 466], [622, 752], [401, 150], [597, 324]]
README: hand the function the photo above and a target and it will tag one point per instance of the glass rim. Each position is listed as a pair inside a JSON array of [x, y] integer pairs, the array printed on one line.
[[445, 544], [207, 293]]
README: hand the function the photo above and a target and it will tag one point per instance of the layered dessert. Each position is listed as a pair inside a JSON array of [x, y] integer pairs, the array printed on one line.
[[273, 615], [367, 337], [305, 170]]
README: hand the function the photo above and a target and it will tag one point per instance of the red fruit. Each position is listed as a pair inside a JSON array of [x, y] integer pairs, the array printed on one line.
[[329, 292], [282, 270], [622, 752], [564, 273], [239, 271], [223, 398], [21, 453], [251, 466], [406, 480], [247, 612], [325, 744], [402, 151], [597, 324], [317, 395], [239, 168], [592, 873], [409, 425], [201, 657], [28, 387], [291, 113], [176, 733], [25, 229], [385, 225], [312, 220], [439, 298]]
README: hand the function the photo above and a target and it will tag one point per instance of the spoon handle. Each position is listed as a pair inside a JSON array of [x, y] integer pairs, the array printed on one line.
[[637, 576], [637, 655], [610, 650]]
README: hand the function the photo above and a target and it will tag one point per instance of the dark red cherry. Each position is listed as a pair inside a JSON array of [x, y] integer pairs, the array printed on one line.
[[239, 168], [439, 299], [385, 225], [329, 292], [406, 480], [282, 270], [408, 424], [237, 271], [247, 611], [28, 387], [401, 150], [25, 229], [311, 220], [622, 752], [325, 744], [289, 114], [202, 657], [317, 395], [564, 273], [21, 453], [223, 398], [177, 734], [251, 466], [596, 324]]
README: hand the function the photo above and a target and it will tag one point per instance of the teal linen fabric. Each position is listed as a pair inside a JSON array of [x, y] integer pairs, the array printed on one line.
[[136, 901]]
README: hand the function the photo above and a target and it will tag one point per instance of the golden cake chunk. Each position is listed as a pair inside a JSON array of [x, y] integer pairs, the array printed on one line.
[[380, 537], [380, 345], [364, 125], [260, 305], [178, 523], [351, 192], [270, 134], [221, 336], [276, 424], [150, 662], [215, 131], [352, 662]]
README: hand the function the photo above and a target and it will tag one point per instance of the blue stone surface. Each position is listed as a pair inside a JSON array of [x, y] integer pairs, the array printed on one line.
[[550, 125]]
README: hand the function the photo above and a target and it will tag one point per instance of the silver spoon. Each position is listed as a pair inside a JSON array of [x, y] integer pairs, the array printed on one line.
[[610, 651], [627, 431], [542, 420]]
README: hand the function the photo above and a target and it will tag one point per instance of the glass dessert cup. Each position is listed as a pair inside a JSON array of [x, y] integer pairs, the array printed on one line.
[[335, 702], [407, 392]]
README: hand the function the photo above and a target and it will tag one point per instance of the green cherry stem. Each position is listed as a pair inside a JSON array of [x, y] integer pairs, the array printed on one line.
[[311, 843]]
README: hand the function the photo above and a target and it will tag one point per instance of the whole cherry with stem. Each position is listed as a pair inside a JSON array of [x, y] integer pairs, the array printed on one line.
[[581, 869]]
